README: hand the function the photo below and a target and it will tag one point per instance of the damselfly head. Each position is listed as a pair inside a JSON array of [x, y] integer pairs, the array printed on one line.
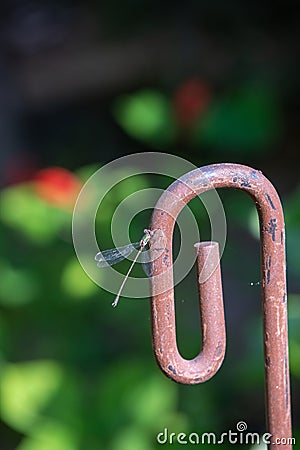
[[147, 236]]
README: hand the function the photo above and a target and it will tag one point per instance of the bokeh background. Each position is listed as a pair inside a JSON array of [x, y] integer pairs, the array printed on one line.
[[83, 83]]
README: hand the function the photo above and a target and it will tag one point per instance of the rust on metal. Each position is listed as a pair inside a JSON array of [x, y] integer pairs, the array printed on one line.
[[273, 281]]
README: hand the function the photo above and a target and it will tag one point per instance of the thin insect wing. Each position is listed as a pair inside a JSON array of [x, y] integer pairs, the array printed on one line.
[[146, 263], [115, 255]]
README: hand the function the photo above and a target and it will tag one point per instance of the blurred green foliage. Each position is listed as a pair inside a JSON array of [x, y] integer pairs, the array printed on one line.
[[244, 120], [24, 211], [76, 374], [148, 116]]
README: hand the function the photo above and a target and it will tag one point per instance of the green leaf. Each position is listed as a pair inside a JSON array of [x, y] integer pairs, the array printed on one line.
[[130, 438], [141, 396], [50, 435], [17, 286], [21, 209], [75, 281], [244, 121], [294, 348], [253, 223], [150, 400], [147, 116], [25, 389]]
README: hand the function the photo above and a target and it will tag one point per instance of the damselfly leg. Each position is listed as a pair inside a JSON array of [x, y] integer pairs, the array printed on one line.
[[115, 255]]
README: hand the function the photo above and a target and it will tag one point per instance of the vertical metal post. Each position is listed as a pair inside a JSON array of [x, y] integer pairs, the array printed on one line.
[[274, 296]]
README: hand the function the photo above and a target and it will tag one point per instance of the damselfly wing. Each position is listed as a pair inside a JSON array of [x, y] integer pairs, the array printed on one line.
[[115, 255]]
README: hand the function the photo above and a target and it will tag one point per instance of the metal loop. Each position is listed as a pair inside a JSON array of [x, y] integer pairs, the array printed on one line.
[[274, 296]]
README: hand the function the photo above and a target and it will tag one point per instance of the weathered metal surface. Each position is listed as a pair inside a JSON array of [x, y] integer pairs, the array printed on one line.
[[273, 280]]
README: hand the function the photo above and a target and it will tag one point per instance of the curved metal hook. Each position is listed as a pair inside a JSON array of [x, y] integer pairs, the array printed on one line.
[[274, 296]]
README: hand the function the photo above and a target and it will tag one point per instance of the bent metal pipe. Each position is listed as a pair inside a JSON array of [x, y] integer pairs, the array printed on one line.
[[273, 281]]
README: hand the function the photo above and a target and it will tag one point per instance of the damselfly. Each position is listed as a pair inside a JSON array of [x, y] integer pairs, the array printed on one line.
[[115, 255]]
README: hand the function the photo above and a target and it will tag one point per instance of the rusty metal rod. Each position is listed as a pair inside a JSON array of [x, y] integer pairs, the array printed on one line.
[[274, 296]]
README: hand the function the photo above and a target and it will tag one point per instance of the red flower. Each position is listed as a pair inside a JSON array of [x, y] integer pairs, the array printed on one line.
[[57, 186], [190, 100]]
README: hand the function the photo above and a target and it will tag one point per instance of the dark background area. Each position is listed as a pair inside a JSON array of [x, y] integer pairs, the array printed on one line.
[[84, 83]]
